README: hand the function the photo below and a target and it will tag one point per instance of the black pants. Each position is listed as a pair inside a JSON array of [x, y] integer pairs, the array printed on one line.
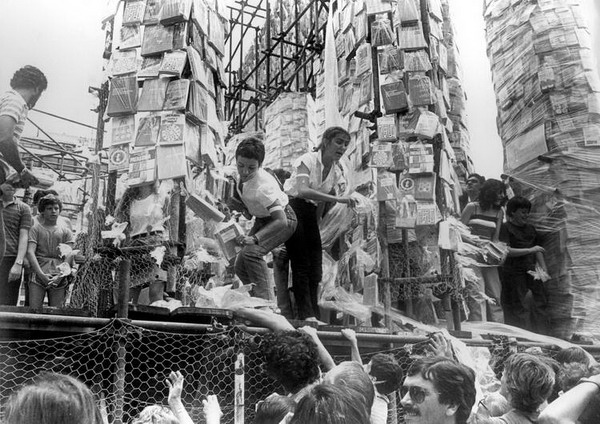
[[521, 309], [306, 257], [9, 290]]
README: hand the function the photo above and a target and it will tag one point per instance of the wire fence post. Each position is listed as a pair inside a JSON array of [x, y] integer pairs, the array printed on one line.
[[239, 388], [121, 339]]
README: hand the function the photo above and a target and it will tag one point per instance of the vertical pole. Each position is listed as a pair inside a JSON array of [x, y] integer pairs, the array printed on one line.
[[121, 339], [239, 389], [268, 51], [407, 292], [123, 297], [111, 190], [385, 265]]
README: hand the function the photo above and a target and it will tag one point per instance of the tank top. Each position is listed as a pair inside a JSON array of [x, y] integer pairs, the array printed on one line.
[[482, 225]]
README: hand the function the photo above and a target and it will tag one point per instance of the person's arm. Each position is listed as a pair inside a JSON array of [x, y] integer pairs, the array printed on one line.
[[539, 257], [274, 322], [567, 408], [500, 218], [212, 410], [465, 217], [17, 268], [278, 224], [175, 383], [324, 354], [305, 192], [9, 147], [350, 335], [514, 252], [33, 262]]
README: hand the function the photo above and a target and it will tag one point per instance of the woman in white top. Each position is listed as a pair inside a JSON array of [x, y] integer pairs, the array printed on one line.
[[274, 219], [313, 181]]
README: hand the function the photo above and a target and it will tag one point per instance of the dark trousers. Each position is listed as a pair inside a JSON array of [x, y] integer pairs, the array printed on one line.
[[521, 309], [306, 257], [9, 290]]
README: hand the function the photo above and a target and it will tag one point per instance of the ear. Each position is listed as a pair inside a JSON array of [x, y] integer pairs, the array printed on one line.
[[451, 410]]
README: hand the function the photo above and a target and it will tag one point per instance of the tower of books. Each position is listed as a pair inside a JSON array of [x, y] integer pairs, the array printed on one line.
[[547, 95]]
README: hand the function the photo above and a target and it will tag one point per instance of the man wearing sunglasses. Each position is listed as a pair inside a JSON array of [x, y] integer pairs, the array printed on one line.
[[471, 194], [438, 390]]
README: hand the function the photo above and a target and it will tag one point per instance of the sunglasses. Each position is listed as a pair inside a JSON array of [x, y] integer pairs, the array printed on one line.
[[417, 394]]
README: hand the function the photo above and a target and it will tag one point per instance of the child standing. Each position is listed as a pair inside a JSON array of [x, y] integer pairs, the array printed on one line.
[[524, 253]]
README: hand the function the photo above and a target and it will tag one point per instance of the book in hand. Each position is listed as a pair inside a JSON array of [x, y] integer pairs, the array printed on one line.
[[153, 95], [157, 39], [133, 12], [226, 236], [122, 96], [173, 63], [172, 129], [148, 131], [177, 94], [174, 11]]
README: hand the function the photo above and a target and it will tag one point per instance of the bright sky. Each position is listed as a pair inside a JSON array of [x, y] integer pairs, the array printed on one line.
[[65, 40]]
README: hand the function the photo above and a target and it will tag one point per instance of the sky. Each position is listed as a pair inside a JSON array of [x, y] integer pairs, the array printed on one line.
[[64, 38]]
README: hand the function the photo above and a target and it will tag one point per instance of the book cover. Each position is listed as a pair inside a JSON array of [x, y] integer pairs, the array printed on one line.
[[203, 208], [153, 95], [170, 162], [174, 11], [133, 12], [386, 128], [148, 131], [172, 128], [425, 187], [152, 12], [157, 39], [394, 97], [363, 59], [197, 66], [118, 158], [197, 106], [150, 67], [226, 236], [173, 63], [406, 205], [216, 33], [130, 37], [122, 96], [122, 129], [192, 144], [420, 158], [123, 62], [381, 155], [177, 94], [200, 15], [386, 186], [180, 35], [142, 167], [421, 90]]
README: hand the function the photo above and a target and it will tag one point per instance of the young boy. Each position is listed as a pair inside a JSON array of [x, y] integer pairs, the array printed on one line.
[[523, 254]]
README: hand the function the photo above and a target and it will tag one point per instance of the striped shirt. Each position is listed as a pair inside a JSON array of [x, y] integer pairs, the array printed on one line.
[[482, 225], [14, 105]]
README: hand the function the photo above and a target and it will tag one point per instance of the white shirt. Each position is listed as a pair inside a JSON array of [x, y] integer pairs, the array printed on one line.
[[260, 193], [312, 160]]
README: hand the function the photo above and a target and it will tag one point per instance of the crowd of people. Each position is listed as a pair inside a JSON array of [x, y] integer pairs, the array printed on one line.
[[435, 387]]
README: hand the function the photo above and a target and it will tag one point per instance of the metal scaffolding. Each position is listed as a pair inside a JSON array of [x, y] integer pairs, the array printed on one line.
[[271, 50]]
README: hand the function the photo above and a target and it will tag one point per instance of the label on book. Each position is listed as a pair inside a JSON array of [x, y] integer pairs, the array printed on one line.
[[123, 62], [226, 236], [118, 158], [142, 167], [381, 155], [172, 128], [425, 187]]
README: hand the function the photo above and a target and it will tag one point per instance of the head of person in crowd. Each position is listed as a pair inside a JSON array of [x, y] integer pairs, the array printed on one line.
[[492, 195], [273, 409], [474, 183], [38, 195], [334, 143], [49, 208], [331, 404], [386, 373], [438, 390], [156, 414], [527, 381], [351, 374], [291, 358], [492, 405], [249, 156], [30, 82], [574, 365], [517, 210], [573, 354], [53, 399], [7, 190]]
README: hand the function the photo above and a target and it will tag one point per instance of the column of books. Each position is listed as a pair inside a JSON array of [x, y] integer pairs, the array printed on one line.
[[165, 102], [547, 94]]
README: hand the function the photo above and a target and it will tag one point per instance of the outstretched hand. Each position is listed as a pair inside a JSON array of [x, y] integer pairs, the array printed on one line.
[[211, 408], [175, 383], [349, 334], [440, 346]]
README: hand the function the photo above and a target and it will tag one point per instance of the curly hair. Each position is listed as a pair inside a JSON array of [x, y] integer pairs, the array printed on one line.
[[251, 148], [156, 414], [351, 374], [29, 77], [49, 200], [53, 399], [273, 409], [454, 381], [529, 380], [488, 194], [388, 372], [573, 354], [291, 358], [330, 404]]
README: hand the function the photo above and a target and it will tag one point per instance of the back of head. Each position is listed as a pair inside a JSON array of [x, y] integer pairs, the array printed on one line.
[[489, 193], [529, 380], [291, 358], [454, 382], [29, 77], [155, 414], [352, 375], [387, 373], [573, 354], [53, 399], [273, 409], [330, 404]]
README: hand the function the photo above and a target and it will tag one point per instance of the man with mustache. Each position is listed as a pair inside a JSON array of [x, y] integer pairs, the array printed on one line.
[[438, 390]]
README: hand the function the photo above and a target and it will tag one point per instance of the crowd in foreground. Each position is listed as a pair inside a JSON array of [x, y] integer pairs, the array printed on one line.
[[436, 387]]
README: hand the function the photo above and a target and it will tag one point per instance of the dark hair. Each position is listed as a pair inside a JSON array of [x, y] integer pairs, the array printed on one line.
[[388, 372], [329, 404], [53, 399], [481, 178], [41, 193], [352, 375], [49, 200], [29, 77], [569, 375], [282, 175], [572, 354], [489, 192], [291, 358], [251, 148], [273, 409], [517, 203], [529, 380], [330, 133], [454, 381]]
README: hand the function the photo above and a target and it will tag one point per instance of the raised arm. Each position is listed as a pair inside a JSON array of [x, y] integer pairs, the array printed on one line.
[[324, 354], [175, 383], [350, 335], [567, 408]]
